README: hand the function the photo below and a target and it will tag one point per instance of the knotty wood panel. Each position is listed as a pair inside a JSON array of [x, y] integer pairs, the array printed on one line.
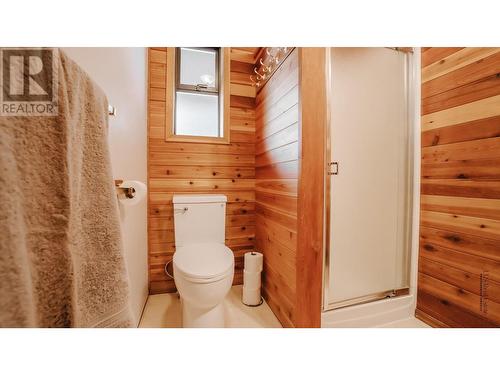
[[459, 259], [433, 55], [277, 171], [290, 133], [180, 167]]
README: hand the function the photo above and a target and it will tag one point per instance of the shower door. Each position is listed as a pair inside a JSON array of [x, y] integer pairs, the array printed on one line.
[[367, 256]]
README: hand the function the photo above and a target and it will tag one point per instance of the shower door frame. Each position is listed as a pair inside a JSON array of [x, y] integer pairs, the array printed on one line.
[[409, 161]]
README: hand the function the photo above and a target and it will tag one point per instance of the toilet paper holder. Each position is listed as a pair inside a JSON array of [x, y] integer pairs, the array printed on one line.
[[128, 192]]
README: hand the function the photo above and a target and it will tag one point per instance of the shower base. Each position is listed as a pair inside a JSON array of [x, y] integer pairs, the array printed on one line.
[[371, 314]]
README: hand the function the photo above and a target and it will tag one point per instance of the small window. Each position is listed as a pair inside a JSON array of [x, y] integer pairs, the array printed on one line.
[[200, 99], [198, 69], [197, 114]]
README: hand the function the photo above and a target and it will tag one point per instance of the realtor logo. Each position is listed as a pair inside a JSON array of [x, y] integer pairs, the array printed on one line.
[[28, 81]]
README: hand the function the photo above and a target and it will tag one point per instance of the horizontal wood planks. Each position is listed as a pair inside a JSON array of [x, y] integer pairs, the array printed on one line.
[[276, 176], [459, 259], [180, 167]]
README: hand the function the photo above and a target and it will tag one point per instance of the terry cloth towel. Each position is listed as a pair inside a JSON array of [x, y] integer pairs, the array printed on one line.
[[61, 253]]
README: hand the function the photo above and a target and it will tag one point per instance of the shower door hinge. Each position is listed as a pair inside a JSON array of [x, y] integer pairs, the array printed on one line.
[[333, 168]]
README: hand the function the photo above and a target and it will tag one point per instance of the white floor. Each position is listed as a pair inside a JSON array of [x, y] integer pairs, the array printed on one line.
[[406, 323], [164, 311]]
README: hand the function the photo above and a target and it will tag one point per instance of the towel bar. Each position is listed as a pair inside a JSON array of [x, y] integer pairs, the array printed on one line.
[[111, 110]]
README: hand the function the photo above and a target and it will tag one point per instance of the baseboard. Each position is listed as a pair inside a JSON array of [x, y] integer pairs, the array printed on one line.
[[426, 318]]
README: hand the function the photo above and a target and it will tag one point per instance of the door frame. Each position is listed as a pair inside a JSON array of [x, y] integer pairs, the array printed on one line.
[[409, 198]]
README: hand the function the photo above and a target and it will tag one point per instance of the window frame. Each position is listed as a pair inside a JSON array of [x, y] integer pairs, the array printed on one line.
[[173, 85]]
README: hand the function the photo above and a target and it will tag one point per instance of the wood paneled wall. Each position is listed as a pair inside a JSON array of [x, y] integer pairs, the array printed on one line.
[[277, 172], [179, 167], [459, 261], [311, 204]]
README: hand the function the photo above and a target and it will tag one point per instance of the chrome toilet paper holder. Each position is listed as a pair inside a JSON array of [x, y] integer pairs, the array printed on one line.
[[128, 192]]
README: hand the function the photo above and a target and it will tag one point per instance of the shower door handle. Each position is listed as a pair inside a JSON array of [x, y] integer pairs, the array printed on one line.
[[333, 168]]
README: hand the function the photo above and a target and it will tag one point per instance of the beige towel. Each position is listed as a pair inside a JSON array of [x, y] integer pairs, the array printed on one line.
[[61, 255]]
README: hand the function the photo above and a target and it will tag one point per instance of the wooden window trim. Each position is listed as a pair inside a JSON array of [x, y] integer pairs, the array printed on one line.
[[224, 87]]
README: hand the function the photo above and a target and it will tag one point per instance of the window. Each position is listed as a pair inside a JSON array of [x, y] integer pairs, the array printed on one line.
[[199, 97]]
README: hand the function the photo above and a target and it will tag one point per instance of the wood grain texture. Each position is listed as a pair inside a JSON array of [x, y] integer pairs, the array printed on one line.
[[477, 207], [313, 120], [455, 61], [459, 257], [432, 55], [487, 107], [468, 74], [183, 167], [277, 171], [464, 94]]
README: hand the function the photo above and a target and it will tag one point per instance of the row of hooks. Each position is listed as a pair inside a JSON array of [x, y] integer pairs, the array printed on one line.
[[268, 63]]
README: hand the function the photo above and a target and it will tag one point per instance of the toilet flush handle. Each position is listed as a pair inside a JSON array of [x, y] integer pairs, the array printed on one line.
[[181, 210]]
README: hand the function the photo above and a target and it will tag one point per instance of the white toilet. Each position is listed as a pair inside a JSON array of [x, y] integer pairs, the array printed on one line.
[[203, 265]]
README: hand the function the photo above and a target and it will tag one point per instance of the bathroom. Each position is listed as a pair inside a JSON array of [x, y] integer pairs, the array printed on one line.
[[325, 184]]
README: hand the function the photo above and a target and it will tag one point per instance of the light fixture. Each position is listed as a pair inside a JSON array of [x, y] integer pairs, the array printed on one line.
[[268, 64], [207, 79]]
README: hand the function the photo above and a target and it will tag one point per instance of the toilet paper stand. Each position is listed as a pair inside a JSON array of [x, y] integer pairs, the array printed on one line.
[[260, 303], [252, 284]]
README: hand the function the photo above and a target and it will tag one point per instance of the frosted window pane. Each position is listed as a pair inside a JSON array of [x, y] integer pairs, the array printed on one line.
[[197, 114], [198, 67]]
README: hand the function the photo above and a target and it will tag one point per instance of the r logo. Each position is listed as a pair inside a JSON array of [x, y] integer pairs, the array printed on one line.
[[27, 75], [29, 81]]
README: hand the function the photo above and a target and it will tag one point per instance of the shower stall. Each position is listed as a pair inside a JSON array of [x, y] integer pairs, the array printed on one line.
[[369, 186]]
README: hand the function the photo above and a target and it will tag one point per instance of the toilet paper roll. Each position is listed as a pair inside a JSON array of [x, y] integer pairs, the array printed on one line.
[[139, 195], [251, 280], [253, 261], [251, 296]]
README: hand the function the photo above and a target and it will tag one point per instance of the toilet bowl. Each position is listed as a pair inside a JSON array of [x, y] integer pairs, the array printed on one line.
[[203, 275], [203, 265]]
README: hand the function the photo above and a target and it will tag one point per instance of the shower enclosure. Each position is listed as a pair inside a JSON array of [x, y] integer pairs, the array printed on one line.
[[369, 181]]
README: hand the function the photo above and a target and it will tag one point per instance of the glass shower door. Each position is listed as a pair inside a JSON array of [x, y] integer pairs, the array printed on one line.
[[368, 234]]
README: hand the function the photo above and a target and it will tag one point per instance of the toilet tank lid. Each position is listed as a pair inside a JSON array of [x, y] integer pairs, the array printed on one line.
[[201, 198]]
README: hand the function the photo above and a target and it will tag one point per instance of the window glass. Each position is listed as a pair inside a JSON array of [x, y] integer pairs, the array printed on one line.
[[197, 114], [198, 67]]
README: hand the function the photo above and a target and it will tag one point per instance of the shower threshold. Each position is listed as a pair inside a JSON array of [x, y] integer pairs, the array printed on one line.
[[368, 298]]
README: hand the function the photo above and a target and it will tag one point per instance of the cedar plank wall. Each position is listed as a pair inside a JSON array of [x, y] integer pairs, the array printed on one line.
[[310, 212], [277, 170], [178, 167], [459, 261]]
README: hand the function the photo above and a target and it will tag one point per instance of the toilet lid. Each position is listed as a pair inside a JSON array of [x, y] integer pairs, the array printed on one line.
[[204, 260]]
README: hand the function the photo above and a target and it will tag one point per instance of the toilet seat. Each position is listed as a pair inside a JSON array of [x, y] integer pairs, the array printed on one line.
[[204, 262]]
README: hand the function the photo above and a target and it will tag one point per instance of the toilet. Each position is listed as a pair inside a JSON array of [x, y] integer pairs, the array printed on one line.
[[203, 265]]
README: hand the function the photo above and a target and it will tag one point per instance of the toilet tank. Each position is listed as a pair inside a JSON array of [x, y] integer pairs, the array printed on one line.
[[199, 218]]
